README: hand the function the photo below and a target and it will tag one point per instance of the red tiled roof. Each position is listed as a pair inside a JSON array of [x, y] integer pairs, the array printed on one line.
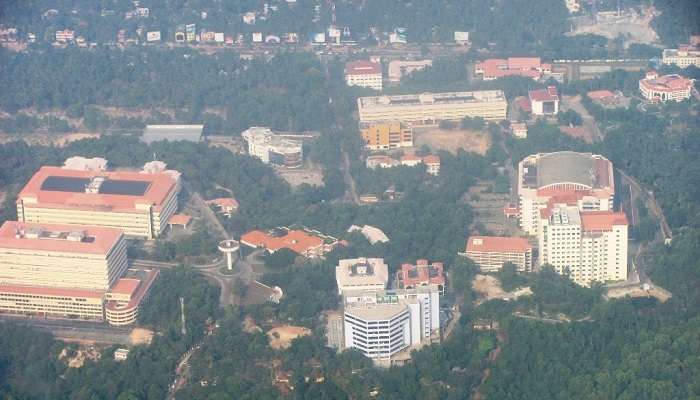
[[179, 219], [667, 83], [295, 240], [136, 296], [602, 220], [362, 68], [431, 159], [498, 244], [125, 286], [161, 185], [104, 238], [524, 104], [224, 202], [548, 94], [422, 273], [53, 292], [410, 157]]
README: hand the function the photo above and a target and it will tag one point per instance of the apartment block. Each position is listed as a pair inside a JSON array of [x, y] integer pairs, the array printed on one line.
[[588, 246]]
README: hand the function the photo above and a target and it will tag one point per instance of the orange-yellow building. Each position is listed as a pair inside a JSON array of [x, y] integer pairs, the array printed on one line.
[[386, 135]]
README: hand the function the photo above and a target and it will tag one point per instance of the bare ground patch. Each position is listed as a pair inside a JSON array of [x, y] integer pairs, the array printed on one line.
[[489, 287], [281, 337], [451, 140]]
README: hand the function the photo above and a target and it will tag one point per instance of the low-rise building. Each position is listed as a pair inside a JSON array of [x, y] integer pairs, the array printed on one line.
[[400, 68], [274, 149], [518, 129], [529, 67], [306, 242], [430, 108], [386, 135], [432, 162], [588, 246], [364, 74], [382, 323], [544, 101], [121, 354], [361, 274], [65, 36], [224, 205], [421, 274], [138, 202], [665, 88], [684, 56], [491, 252]]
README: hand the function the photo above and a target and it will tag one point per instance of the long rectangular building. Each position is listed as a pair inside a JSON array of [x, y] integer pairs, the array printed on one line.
[[491, 252], [140, 203], [58, 270], [490, 105]]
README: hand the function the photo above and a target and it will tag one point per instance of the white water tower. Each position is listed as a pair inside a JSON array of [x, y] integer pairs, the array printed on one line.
[[230, 248]]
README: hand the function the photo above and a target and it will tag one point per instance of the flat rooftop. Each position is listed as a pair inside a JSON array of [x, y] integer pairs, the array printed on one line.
[[498, 244], [433, 98], [58, 238], [100, 190]]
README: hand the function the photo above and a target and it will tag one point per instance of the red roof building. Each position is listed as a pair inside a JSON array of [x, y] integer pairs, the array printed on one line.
[[140, 203], [665, 88], [494, 68], [364, 73], [491, 252], [421, 274], [310, 244], [544, 101]]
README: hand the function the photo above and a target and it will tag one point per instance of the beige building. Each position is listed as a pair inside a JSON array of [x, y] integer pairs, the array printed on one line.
[[433, 107], [361, 274], [584, 180], [491, 252], [665, 88], [69, 271], [386, 135], [139, 203], [589, 246], [683, 57]]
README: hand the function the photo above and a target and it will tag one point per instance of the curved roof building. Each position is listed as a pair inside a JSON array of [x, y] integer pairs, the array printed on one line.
[[584, 180]]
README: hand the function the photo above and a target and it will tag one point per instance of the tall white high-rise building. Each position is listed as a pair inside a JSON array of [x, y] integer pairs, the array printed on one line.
[[583, 180], [587, 245], [382, 323]]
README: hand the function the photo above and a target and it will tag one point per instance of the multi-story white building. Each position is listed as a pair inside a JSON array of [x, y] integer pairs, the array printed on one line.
[[138, 202], [490, 105], [589, 246], [665, 88], [683, 56], [491, 252], [361, 274], [364, 73], [581, 179], [273, 149], [381, 324]]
